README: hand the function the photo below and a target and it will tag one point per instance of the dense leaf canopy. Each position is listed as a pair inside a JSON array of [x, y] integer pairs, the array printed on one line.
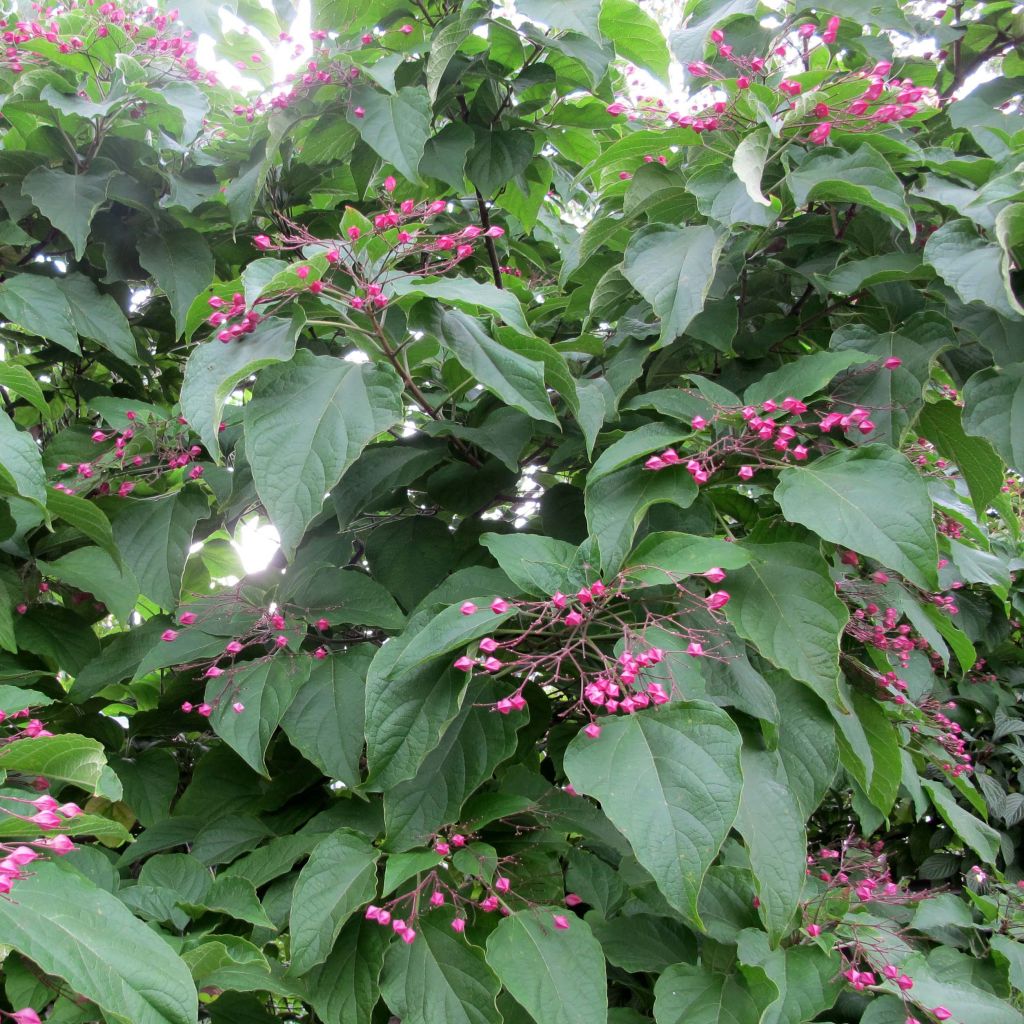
[[637, 397]]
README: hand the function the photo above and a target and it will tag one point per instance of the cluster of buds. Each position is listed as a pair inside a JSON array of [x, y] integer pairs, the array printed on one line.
[[884, 99], [46, 814], [767, 436], [344, 280], [466, 893], [554, 646], [224, 314], [264, 639], [146, 450]]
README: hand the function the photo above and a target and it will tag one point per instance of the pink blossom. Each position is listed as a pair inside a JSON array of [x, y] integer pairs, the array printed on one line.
[[492, 665], [499, 605], [892, 362], [371, 912], [213, 671], [437, 899], [187, 618], [359, 112], [464, 664], [814, 930], [743, 82], [186, 707], [458, 840], [573, 619], [61, 845], [26, 1016], [205, 710], [790, 88], [820, 133], [494, 231], [45, 820], [694, 649], [70, 810], [715, 575], [941, 1013], [320, 653], [745, 472], [572, 900], [502, 884], [262, 242], [390, 184], [615, 109], [169, 635], [442, 848], [406, 30], [561, 921], [459, 925], [238, 707], [719, 599], [593, 730], [366, 38]]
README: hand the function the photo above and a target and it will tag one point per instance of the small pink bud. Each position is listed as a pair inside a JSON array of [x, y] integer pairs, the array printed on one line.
[[492, 665], [437, 899], [262, 242], [941, 1013], [359, 112], [561, 921], [354, 233], [719, 599], [694, 649], [502, 884], [892, 362], [187, 618], [499, 605], [168, 636], [593, 730], [371, 912], [572, 900], [280, 641], [442, 848], [745, 472], [488, 645], [186, 707], [213, 671], [465, 664], [390, 184], [384, 918], [238, 707], [458, 840], [406, 30], [459, 925], [205, 710], [814, 930], [70, 810], [573, 619]]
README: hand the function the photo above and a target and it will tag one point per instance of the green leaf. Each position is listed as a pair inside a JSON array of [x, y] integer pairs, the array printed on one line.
[[581, 16], [92, 570], [18, 381], [850, 277], [15, 698], [803, 377], [979, 464], [516, 380], [497, 157], [723, 197], [21, 463], [150, 782], [154, 536], [37, 305], [771, 822], [85, 516], [805, 977], [993, 408], [784, 603], [78, 932], [935, 984], [672, 268], [644, 942], [807, 743], [440, 978], [538, 565], [339, 877], [444, 44], [395, 127], [344, 989], [636, 35], [325, 719], [687, 994], [68, 201], [748, 163], [633, 446], [78, 760], [688, 43], [556, 975], [444, 155], [847, 498], [297, 460], [616, 503], [473, 745], [182, 265], [214, 370], [981, 838], [972, 267], [266, 689], [98, 316], [863, 177], [869, 748], [467, 294], [670, 783], [661, 556], [235, 897]]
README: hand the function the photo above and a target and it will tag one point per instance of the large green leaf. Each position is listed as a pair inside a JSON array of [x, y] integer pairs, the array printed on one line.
[[93, 571], [395, 126], [182, 265], [863, 177], [297, 459], [338, 878], [497, 157], [98, 316], [325, 719], [20, 382], [37, 305], [214, 370], [784, 603], [515, 379], [616, 503], [687, 994], [440, 978], [972, 267], [672, 268], [82, 934], [771, 822], [85, 516], [670, 782], [21, 464], [636, 35], [266, 689], [71, 758], [661, 556], [473, 745], [69, 201], [344, 988], [581, 16], [690, 41], [557, 975], [803, 377], [847, 498], [465, 293], [993, 409], [982, 470], [869, 747], [975, 833], [154, 536]]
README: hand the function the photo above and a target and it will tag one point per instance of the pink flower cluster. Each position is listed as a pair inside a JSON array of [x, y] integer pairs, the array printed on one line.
[[247, 320]]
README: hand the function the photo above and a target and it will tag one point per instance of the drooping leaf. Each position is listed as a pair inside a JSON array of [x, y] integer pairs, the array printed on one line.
[[847, 498], [556, 975], [338, 878], [92, 570], [993, 406], [69, 201], [673, 269], [688, 994], [182, 265], [395, 126], [21, 464], [637, 36], [295, 462], [34, 303], [670, 782]]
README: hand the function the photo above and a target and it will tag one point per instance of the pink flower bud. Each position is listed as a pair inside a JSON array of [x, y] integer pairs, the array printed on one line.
[[941, 1013], [719, 599], [262, 242], [187, 618], [742, 82], [168, 636], [459, 925], [437, 899], [694, 649], [502, 884], [615, 109], [390, 184], [573, 619], [745, 472], [406, 30], [499, 605], [442, 848], [464, 664], [593, 730], [26, 1016], [814, 930], [492, 665], [561, 921], [238, 707], [892, 362], [359, 112], [186, 707], [205, 710], [70, 810]]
